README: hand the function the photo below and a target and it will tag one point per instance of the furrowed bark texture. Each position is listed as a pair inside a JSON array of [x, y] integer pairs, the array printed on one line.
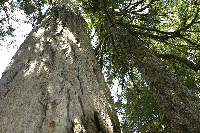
[[179, 104], [54, 83]]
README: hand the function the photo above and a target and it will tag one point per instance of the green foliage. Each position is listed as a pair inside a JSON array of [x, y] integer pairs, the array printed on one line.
[[70, 3], [181, 50], [31, 8], [171, 29], [28, 6], [142, 113], [3, 1], [6, 29]]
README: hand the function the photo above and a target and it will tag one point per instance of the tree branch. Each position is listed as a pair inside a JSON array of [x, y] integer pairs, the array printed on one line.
[[183, 60]]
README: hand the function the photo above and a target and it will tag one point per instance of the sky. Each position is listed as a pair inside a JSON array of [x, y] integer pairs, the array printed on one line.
[[8, 51], [9, 45]]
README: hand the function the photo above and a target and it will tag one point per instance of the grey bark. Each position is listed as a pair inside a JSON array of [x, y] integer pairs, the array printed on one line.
[[180, 105], [54, 83]]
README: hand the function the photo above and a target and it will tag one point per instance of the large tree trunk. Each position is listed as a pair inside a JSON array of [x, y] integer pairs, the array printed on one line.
[[179, 104], [54, 83]]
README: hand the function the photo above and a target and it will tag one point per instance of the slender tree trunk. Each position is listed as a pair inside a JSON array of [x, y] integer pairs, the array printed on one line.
[[179, 104], [54, 83]]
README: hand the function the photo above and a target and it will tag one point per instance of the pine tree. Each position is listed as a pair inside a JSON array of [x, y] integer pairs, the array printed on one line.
[[54, 83]]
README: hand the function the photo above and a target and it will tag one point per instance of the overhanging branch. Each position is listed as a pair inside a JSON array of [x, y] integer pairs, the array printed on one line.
[[183, 60]]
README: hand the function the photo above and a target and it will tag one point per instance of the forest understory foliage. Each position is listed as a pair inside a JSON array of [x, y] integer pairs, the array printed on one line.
[[169, 29]]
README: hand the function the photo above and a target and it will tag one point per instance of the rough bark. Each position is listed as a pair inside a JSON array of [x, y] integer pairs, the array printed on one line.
[[179, 104], [54, 83]]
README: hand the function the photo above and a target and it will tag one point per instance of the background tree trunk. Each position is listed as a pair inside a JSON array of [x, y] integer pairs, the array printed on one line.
[[179, 104], [54, 83]]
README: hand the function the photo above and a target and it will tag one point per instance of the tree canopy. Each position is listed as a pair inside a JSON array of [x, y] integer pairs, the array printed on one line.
[[170, 29]]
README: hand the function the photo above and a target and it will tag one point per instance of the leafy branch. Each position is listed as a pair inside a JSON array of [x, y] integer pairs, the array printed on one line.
[[183, 60]]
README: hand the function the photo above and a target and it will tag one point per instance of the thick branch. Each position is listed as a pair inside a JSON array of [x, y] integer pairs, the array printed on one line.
[[183, 60]]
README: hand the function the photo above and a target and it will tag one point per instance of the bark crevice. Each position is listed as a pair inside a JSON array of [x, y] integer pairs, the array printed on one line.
[[59, 90]]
